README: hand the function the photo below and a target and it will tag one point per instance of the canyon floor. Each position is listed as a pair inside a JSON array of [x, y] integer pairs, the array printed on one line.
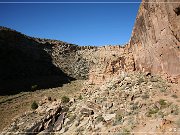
[[130, 103], [15, 105]]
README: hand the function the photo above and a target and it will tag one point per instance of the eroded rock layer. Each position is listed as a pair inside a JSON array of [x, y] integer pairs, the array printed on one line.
[[155, 38]]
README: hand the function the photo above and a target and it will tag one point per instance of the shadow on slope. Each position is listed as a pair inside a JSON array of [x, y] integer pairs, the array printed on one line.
[[25, 65]]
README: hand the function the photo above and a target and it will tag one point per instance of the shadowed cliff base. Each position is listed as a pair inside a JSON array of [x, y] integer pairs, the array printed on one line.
[[15, 86], [26, 66]]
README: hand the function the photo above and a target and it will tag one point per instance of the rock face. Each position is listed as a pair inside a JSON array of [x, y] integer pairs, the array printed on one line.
[[26, 64], [155, 40], [154, 47], [108, 62]]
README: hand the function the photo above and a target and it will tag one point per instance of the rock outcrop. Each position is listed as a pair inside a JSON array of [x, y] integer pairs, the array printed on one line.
[[68, 58], [48, 117], [26, 64], [155, 40], [108, 62]]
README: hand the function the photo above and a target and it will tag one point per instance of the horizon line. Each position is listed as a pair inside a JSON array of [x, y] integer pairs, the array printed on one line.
[[125, 2]]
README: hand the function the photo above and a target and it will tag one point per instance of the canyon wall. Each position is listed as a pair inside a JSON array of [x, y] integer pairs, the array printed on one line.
[[26, 64], [69, 59], [155, 40], [29, 63], [107, 62], [154, 47]]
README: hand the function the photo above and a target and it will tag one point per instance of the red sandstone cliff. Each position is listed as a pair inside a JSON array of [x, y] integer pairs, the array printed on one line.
[[155, 38]]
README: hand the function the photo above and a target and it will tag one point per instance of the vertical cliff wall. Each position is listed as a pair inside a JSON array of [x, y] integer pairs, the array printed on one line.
[[155, 38]]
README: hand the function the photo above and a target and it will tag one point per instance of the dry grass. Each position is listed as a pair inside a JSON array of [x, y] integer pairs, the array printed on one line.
[[12, 106]]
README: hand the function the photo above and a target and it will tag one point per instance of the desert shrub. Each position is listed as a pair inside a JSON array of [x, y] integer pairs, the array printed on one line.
[[73, 109], [174, 96], [122, 87], [66, 129], [141, 80], [99, 118], [163, 103], [118, 119], [33, 87], [72, 117], [163, 89], [161, 86], [125, 132], [151, 112], [34, 105], [65, 99], [80, 97]]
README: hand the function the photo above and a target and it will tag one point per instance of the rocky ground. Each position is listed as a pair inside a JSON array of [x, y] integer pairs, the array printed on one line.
[[131, 103], [15, 105]]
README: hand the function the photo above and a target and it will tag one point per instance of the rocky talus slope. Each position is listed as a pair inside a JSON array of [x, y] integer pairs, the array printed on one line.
[[129, 103]]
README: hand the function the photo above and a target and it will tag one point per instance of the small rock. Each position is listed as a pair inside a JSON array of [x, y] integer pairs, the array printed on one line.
[[47, 124], [108, 117], [59, 122], [109, 105], [66, 121], [86, 112]]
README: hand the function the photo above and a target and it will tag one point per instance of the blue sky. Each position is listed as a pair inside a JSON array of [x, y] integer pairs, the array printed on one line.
[[81, 24]]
